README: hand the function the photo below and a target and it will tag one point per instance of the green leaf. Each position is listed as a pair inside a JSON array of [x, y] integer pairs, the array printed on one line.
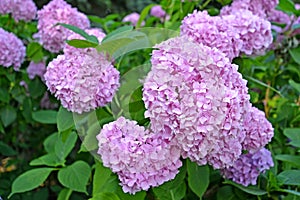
[[64, 194], [8, 115], [289, 177], [250, 189], [36, 88], [63, 148], [45, 116], [4, 95], [294, 135], [287, 6], [64, 119], [125, 196], [295, 85], [198, 178], [101, 177], [143, 15], [81, 43], [174, 189], [295, 53], [105, 196], [35, 51], [6, 150], [116, 32], [290, 192], [75, 176], [29, 180], [227, 193], [295, 160], [50, 141], [49, 160], [90, 38]]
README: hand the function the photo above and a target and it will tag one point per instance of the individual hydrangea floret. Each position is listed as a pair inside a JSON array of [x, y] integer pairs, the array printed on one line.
[[69, 50], [258, 130], [19, 9], [82, 82], [36, 69], [140, 158], [197, 96], [51, 35], [254, 31], [247, 168], [212, 32], [261, 8], [12, 50], [133, 18]]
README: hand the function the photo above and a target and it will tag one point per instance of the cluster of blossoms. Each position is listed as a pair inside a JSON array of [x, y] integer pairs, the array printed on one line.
[[82, 79], [140, 158], [36, 69], [51, 35], [12, 50], [248, 167], [233, 34], [198, 103], [19, 9]]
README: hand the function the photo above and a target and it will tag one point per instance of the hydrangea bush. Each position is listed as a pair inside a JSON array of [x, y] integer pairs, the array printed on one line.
[[178, 100]]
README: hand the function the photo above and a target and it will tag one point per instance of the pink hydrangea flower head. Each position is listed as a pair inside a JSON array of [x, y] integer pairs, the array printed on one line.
[[258, 130], [191, 93], [247, 168], [157, 11], [12, 50], [36, 69], [254, 31], [133, 18], [69, 50], [82, 82], [257, 7], [212, 32], [20, 9], [140, 158], [53, 36]]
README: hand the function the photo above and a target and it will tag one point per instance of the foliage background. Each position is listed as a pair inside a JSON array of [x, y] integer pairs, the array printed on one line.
[[28, 132]]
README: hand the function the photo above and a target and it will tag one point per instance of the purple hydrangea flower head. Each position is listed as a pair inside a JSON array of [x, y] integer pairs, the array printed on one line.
[[247, 168], [212, 32], [254, 31], [140, 158], [69, 50], [258, 130], [20, 9], [157, 11], [36, 69], [12, 50], [53, 37], [82, 82], [197, 96], [280, 17], [262, 8], [133, 18]]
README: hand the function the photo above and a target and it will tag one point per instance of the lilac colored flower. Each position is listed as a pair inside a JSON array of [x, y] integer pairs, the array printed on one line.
[[194, 94], [247, 168], [69, 50], [262, 8], [20, 9], [157, 11], [258, 130], [53, 36], [140, 158], [212, 32], [254, 32], [133, 18], [82, 82], [12, 50], [36, 69]]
